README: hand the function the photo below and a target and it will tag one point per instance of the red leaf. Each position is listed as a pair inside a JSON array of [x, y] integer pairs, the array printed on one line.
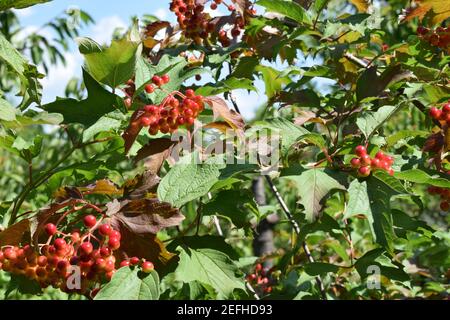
[[15, 234], [133, 130]]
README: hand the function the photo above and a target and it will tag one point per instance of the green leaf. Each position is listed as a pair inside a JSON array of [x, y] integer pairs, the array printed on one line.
[[112, 66], [272, 80], [227, 85], [19, 4], [189, 180], [98, 103], [358, 202], [287, 8], [312, 186], [28, 74], [7, 111], [320, 268], [109, 122], [313, 138], [210, 267], [405, 135], [371, 121], [32, 117], [288, 131], [238, 205], [131, 284], [419, 176]]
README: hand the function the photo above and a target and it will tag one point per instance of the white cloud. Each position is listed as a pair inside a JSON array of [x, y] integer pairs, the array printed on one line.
[[103, 30], [161, 13], [24, 13]]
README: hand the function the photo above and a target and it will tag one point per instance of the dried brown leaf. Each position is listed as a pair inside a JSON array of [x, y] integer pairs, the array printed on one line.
[[15, 234]]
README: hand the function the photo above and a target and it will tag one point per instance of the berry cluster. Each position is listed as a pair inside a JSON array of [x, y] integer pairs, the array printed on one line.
[[441, 114], [260, 280], [198, 25], [444, 194], [176, 110], [365, 164], [53, 263], [439, 37]]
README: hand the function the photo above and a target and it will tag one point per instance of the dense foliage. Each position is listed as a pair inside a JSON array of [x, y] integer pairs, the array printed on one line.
[[136, 186]]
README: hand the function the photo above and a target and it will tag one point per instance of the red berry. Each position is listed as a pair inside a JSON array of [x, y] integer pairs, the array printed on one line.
[[134, 261], [109, 266], [75, 236], [125, 263], [198, 77], [149, 88], [114, 243], [435, 113], [231, 7], [115, 234], [60, 244], [151, 109], [360, 151], [190, 93], [364, 171], [355, 162], [190, 121], [380, 155], [10, 254], [50, 229], [213, 6], [446, 108], [181, 120], [146, 121], [157, 81], [375, 163], [366, 160], [105, 252], [147, 267], [105, 229], [165, 79], [90, 221], [86, 247], [42, 261]]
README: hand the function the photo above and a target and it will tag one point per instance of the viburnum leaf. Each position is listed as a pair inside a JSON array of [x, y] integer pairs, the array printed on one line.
[[287, 8], [361, 5], [155, 152], [7, 111], [369, 122], [440, 10], [19, 4], [14, 235], [102, 187], [358, 202], [189, 180], [312, 186], [210, 267], [112, 66], [221, 109], [419, 176], [147, 216], [87, 112], [131, 284]]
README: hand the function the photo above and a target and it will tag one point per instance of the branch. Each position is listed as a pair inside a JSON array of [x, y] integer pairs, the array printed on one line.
[[297, 231]]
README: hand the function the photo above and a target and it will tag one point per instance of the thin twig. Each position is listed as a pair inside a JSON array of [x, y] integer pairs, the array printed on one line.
[[297, 231]]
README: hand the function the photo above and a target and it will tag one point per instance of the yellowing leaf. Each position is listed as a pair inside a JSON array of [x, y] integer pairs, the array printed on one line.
[[361, 5], [440, 10]]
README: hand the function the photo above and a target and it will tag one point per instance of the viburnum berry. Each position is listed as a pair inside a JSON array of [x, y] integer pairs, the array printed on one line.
[[60, 243], [147, 266], [365, 164], [86, 247], [105, 229], [90, 221], [165, 79], [157, 81], [114, 243], [125, 263], [115, 234], [50, 229], [149, 88], [134, 261], [360, 151], [364, 171]]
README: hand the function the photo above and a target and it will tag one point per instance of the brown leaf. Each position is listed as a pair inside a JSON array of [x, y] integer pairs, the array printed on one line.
[[361, 5], [303, 117], [65, 193], [242, 6], [103, 187], [141, 186], [15, 234], [148, 216], [153, 28], [158, 150], [221, 109], [133, 130], [222, 126], [440, 10], [434, 143], [148, 247]]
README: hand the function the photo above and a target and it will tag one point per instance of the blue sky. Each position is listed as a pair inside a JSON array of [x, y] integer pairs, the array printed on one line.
[[108, 15]]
